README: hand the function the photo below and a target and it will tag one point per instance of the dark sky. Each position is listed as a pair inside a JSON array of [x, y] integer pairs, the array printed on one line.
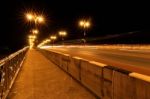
[[108, 18]]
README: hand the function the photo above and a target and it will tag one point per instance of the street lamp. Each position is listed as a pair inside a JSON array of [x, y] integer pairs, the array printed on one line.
[[29, 16], [85, 24], [53, 38], [34, 17], [35, 31], [31, 40], [62, 34]]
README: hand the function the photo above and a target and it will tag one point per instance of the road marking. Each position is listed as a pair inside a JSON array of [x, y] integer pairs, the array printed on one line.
[[140, 76]]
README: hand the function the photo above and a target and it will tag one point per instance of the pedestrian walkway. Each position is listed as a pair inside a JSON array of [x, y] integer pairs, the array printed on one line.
[[41, 79]]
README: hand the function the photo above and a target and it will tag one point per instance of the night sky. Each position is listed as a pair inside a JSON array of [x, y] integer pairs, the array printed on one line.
[[108, 18]]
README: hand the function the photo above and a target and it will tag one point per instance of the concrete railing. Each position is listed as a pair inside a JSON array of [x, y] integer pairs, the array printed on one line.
[[106, 82], [9, 68]]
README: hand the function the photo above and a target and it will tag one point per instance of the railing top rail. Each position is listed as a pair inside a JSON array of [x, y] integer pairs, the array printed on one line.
[[12, 55]]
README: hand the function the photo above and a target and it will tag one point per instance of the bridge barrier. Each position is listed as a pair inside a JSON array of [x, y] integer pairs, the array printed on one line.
[[74, 68], [106, 82], [9, 68], [65, 62], [92, 76], [107, 75], [54, 57], [122, 86], [141, 85], [58, 59]]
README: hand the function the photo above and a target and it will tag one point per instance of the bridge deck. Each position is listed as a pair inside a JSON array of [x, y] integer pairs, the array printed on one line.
[[41, 79]]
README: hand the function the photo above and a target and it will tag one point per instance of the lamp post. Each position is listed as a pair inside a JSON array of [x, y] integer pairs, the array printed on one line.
[[62, 34], [85, 24], [53, 38], [36, 19]]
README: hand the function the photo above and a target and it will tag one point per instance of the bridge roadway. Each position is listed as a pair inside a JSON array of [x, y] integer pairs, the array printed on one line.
[[136, 60], [41, 79]]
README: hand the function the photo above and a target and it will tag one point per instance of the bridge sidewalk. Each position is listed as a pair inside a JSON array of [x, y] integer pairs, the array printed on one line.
[[41, 79]]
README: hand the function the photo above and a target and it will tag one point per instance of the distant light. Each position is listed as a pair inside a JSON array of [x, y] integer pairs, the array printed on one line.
[[40, 19], [44, 47], [32, 37], [47, 40], [53, 37], [62, 33], [84, 23], [35, 31], [87, 24], [81, 23], [29, 16], [34, 17]]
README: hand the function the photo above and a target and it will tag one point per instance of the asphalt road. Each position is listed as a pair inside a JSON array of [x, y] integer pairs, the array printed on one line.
[[131, 60]]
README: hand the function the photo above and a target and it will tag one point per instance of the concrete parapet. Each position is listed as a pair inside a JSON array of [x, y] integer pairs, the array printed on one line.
[[91, 76], [65, 60], [74, 68], [141, 85], [107, 82], [122, 86]]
